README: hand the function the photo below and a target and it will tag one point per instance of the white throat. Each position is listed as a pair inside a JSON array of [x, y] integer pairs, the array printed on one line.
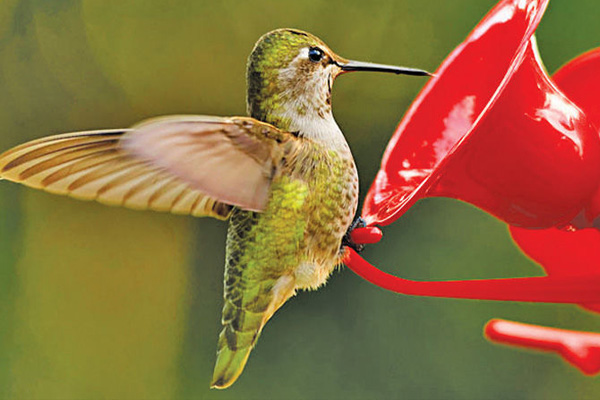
[[322, 129], [307, 104]]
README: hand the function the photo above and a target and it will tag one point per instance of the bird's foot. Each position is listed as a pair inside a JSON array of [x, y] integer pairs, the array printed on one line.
[[347, 239]]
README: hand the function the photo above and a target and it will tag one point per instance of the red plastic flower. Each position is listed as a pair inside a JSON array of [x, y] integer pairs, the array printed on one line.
[[571, 252], [565, 253], [494, 130]]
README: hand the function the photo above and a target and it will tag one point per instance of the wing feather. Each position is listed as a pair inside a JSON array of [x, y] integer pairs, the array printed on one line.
[[230, 159], [93, 166], [202, 166]]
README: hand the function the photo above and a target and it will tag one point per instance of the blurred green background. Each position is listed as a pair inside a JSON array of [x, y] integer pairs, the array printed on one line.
[[100, 302]]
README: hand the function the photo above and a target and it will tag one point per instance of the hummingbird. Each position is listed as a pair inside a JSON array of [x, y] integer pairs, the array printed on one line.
[[284, 177]]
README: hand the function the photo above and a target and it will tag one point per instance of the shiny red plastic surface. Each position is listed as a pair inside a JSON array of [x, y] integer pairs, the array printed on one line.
[[555, 289], [579, 79], [492, 129], [563, 253], [571, 252], [367, 235], [582, 349]]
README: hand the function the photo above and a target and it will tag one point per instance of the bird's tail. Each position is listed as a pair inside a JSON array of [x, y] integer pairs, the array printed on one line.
[[232, 354], [242, 324]]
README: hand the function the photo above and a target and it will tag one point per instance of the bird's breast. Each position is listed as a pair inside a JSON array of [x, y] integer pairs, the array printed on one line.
[[329, 207]]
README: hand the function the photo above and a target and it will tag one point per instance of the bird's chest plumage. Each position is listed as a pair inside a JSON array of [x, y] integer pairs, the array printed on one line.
[[311, 205], [329, 208]]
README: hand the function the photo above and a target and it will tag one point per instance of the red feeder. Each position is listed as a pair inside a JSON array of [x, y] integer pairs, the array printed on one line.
[[493, 130], [580, 80], [582, 349], [564, 253], [571, 253]]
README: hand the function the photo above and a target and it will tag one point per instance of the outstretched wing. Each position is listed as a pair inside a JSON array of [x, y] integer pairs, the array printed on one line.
[[183, 164]]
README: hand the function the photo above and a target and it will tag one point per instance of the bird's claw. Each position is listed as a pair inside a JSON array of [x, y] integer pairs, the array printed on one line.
[[347, 239]]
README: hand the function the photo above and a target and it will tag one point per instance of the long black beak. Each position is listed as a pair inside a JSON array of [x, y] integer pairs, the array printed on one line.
[[367, 66]]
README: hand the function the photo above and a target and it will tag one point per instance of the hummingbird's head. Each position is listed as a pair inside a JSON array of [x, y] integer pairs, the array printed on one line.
[[290, 74]]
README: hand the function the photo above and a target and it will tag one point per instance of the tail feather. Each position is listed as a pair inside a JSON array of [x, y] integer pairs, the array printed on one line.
[[236, 340], [243, 322], [231, 360]]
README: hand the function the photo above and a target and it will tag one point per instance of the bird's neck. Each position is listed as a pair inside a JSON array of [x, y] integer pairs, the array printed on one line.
[[285, 99], [303, 117]]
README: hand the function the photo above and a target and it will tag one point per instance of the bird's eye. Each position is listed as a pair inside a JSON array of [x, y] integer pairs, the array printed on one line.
[[315, 54]]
